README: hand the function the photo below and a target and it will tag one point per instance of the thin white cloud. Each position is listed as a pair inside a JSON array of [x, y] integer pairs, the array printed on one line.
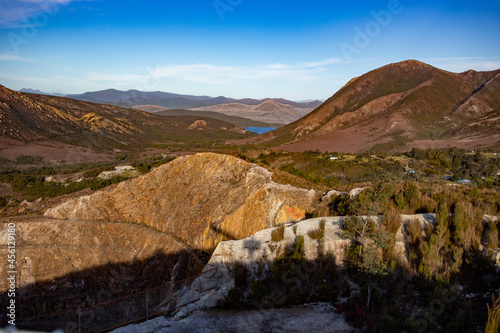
[[8, 57], [213, 74], [324, 62], [23, 13], [462, 64], [278, 66], [26, 79], [154, 79], [14, 57]]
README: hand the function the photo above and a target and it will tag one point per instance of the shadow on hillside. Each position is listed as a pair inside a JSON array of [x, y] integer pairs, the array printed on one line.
[[227, 235], [104, 294]]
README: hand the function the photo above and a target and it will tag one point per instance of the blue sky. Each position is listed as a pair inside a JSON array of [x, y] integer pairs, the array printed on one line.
[[237, 48]]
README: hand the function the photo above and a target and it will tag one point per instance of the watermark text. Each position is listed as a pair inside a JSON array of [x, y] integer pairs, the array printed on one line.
[[11, 273]]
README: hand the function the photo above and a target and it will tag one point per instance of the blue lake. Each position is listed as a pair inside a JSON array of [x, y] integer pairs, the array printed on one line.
[[260, 130]]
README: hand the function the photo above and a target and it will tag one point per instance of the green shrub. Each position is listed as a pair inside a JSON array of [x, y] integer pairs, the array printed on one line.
[[240, 273], [339, 205], [95, 172], [440, 257], [3, 202], [35, 186], [392, 220], [410, 195], [258, 290], [387, 324], [298, 248], [28, 159]]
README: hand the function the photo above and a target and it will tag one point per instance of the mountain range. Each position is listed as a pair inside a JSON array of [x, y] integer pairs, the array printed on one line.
[[132, 98], [397, 107], [237, 120], [392, 108], [276, 112], [270, 111], [42, 120]]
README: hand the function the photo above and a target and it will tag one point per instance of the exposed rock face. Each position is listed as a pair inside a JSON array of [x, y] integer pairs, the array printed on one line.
[[315, 317], [259, 250], [352, 194], [254, 250], [200, 200], [144, 232], [198, 125], [66, 265], [49, 249]]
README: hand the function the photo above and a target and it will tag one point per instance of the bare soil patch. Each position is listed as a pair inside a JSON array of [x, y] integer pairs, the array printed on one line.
[[459, 143], [350, 140], [51, 151]]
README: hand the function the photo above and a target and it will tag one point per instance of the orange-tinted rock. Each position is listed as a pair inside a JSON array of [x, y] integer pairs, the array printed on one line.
[[200, 200]]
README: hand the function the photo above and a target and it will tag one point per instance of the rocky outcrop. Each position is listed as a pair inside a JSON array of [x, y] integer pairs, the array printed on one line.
[[258, 251], [48, 250], [198, 125], [352, 194], [315, 317], [200, 200], [66, 265]]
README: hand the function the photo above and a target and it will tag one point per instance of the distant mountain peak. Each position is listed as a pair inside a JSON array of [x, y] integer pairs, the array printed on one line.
[[36, 91], [399, 106], [271, 105]]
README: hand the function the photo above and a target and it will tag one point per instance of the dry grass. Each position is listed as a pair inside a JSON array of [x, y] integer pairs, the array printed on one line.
[[492, 235], [319, 232], [278, 234], [392, 221], [493, 324]]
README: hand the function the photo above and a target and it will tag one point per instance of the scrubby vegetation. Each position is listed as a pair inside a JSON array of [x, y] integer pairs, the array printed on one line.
[[36, 187], [448, 279], [32, 182], [420, 165], [28, 159], [29, 176], [292, 279], [446, 261], [146, 166], [443, 285], [413, 197], [493, 325]]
